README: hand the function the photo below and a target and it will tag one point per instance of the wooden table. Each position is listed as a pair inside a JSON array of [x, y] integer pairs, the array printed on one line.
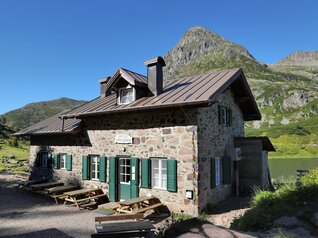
[[139, 205], [84, 197], [123, 229], [57, 192], [42, 186]]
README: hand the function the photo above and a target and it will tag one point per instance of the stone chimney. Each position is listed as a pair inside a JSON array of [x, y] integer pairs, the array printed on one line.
[[103, 83], [155, 75]]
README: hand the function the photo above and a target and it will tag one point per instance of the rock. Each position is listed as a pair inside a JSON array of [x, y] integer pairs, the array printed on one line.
[[299, 231], [212, 231], [287, 222], [314, 219]]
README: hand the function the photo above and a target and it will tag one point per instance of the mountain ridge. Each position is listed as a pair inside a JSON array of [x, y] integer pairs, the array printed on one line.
[[288, 100], [34, 112]]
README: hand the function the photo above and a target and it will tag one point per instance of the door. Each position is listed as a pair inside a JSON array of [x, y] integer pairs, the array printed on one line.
[[128, 178], [124, 178]]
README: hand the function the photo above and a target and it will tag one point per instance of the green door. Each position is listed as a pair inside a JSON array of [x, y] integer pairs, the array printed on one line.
[[124, 178]]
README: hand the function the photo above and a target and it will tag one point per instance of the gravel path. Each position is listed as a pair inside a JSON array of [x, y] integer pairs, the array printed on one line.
[[23, 212]]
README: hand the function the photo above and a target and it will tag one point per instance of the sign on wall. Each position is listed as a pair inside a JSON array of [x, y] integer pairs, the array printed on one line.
[[123, 139]]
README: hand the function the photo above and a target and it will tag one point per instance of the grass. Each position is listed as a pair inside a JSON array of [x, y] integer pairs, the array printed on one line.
[[288, 199]]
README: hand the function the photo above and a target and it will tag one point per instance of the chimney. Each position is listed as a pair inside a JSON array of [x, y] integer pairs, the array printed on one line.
[[155, 75], [103, 83]]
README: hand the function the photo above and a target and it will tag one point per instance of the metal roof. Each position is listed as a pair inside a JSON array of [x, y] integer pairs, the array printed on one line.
[[266, 143], [132, 77], [51, 125], [193, 90]]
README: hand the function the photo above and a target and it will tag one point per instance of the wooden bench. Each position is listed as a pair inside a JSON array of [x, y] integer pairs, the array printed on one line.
[[138, 216], [142, 210], [121, 228]]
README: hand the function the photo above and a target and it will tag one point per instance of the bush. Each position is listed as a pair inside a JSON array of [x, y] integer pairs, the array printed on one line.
[[13, 141], [288, 199]]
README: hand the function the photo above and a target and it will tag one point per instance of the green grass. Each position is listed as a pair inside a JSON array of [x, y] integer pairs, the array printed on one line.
[[287, 200]]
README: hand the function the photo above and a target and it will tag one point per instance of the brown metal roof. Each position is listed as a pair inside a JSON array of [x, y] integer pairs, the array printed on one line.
[[51, 125], [132, 77], [266, 143], [194, 90]]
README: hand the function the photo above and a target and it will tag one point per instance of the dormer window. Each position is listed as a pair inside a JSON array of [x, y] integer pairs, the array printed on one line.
[[126, 95]]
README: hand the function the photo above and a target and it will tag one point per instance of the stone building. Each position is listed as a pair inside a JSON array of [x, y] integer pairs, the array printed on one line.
[[140, 137]]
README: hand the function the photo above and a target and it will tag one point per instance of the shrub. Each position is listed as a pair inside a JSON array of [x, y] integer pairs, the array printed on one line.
[[13, 141], [288, 199]]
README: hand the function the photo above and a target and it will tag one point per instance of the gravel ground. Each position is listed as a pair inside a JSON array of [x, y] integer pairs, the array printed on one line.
[[25, 214]]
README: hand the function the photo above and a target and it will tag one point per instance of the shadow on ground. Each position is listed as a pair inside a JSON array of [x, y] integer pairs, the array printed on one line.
[[49, 233]]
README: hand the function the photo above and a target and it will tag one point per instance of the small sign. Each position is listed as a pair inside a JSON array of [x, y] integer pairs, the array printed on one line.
[[123, 139]]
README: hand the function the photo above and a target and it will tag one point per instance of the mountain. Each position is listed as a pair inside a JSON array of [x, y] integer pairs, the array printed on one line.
[[288, 100], [35, 112], [304, 63]]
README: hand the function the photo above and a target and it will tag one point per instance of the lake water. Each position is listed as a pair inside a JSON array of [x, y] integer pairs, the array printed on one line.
[[284, 170]]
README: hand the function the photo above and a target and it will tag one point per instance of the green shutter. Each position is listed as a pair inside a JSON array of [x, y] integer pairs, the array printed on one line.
[[220, 114], [112, 179], [212, 168], [102, 168], [229, 117], [85, 167], [227, 170], [134, 177], [69, 162], [145, 173], [172, 175], [56, 161]]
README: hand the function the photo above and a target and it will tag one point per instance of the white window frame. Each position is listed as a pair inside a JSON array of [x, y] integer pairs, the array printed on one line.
[[224, 116], [218, 171], [162, 173], [94, 162], [120, 95], [123, 170], [63, 161]]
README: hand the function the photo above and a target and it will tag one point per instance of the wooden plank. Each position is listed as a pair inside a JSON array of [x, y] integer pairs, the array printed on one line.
[[121, 234], [61, 189], [46, 185], [81, 191], [138, 216], [92, 197], [136, 200], [124, 226], [147, 208]]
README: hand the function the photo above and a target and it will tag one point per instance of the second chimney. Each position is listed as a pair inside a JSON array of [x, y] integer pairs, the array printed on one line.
[[155, 74], [103, 83]]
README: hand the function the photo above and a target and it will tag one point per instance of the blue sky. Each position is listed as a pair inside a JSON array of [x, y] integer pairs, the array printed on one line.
[[57, 48]]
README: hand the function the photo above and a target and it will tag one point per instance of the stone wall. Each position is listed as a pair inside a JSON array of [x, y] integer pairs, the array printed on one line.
[[213, 139], [170, 134]]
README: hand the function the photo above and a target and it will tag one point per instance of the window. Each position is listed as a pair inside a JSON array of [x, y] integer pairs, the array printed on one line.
[[45, 157], [124, 170], [225, 116], [218, 171], [63, 161], [126, 96], [95, 167], [159, 173], [42, 159]]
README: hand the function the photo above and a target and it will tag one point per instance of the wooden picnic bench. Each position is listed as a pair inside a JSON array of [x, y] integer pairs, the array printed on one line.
[[43, 186], [26, 184], [57, 192], [139, 205], [85, 197], [123, 229]]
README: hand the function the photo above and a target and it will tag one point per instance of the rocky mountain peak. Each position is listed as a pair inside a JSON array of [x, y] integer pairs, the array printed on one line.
[[197, 42], [300, 58]]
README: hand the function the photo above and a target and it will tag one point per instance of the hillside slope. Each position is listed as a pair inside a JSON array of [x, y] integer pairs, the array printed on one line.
[[288, 101], [35, 112]]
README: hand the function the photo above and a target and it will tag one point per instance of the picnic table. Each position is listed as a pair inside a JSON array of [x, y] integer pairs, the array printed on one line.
[[57, 192], [84, 197], [139, 205], [123, 229], [43, 186]]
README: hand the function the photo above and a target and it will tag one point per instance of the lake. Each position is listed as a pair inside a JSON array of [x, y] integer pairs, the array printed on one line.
[[284, 170]]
